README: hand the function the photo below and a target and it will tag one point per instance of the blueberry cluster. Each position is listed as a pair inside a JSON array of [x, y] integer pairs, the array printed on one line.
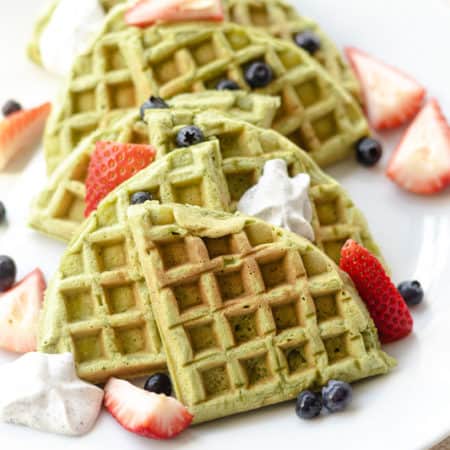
[[335, 397]]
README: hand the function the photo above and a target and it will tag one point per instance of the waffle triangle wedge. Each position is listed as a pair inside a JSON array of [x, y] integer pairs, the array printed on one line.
[[59, 209], [249, 315], [100, 283], [276, 17], [124, 67], [244, 313], [232, 161]]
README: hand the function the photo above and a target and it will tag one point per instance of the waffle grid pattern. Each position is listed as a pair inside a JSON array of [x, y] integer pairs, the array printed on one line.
[[234, 165], [100, 291], [248, 318], [124, 67], [335, 218], [275, 17], [282, 21], [106, 319], [59, 208]]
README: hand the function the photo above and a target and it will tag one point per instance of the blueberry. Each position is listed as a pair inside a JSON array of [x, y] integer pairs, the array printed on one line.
[[190, 135], [258, 74], [159, 384], [153, 103], [10, 107], [227, 85], [309, 405], [2, 212], [7, 273], [308, 41], [368, 151], [336, 395], [412, 292], [140, 197]]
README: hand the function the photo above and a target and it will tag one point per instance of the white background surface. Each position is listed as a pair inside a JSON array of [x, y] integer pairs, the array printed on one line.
[[407, 410]]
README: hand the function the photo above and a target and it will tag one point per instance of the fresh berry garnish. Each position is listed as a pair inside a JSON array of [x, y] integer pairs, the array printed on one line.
[[146, 413], [307, 40], [7, 272], [153, 103], [421, 163], [227, 85], [385, 304], [20, 308], [189, 135], [336, 395], [368, 151], [140, 197], [258, 74], [412, 292], [11, 107], [111, 164], [147, 12], [2, 212], [159, 384], [391, 97], [308, 405], [21, 131]]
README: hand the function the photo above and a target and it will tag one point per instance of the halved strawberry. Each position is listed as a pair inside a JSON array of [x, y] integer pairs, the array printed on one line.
[[146, 413], [20, 308], [385, 304], [391, 97], [111, 164], [148, 12], [21, 130], [421, 163]]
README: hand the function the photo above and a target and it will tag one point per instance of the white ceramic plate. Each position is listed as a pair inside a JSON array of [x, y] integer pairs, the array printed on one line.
[[409, 409]]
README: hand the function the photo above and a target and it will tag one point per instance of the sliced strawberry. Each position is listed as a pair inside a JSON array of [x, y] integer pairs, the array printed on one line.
[[20, 308], [148, 12], [391, 97], [21, 130], [421, 163], [146, 413], [111, 164], [385, 304]]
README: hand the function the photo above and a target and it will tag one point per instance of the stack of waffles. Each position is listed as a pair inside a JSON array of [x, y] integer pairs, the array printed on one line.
[[240, 313]]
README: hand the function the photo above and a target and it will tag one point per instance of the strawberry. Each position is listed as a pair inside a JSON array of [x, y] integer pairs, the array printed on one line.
[[391, 97], [146, 413], [385, 304], [21, 130], [111, 164], [147, 12], [20, 308], [421, 163]]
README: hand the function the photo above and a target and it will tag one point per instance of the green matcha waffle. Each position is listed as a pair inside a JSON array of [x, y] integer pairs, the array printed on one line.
[[124, 67], [282, 20], [241, 151], [249, 314], [59, 208], [275, 17]]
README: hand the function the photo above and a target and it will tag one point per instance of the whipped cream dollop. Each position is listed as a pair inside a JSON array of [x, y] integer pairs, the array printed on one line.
[[44, 392], [280, 200], [71, 30]]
